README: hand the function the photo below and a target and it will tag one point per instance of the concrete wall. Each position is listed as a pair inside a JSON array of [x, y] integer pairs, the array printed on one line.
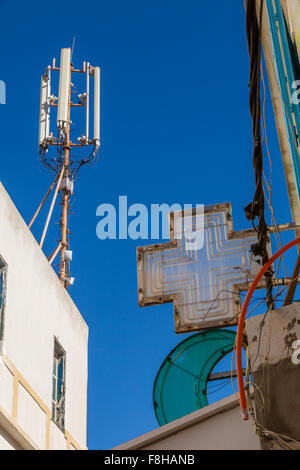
[[216, 427], [37, 309], [274, 350]]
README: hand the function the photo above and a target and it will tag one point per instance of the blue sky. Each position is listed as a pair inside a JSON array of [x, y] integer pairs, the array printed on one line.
[[175, 127]]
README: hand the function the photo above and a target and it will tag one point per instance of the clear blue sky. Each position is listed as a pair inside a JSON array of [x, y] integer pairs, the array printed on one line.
[[175, 127]]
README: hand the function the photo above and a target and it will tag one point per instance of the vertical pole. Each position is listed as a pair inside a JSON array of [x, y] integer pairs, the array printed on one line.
[[280, 103], [65, 197]]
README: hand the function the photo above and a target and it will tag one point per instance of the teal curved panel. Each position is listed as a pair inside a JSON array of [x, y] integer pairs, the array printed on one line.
[[180, 384]]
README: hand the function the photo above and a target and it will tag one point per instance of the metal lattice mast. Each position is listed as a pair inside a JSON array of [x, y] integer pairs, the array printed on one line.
[[65, 163]]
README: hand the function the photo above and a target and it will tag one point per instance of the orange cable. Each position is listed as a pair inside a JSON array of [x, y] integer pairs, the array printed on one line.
[[240, 331]]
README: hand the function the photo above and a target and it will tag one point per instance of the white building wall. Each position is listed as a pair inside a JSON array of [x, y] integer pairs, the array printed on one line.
[[57, 439], [215, 427], [6, 388], [31, 418], [38, 309]]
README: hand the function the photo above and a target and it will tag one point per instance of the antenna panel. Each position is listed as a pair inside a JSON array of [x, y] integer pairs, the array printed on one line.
[[44, 110], [48, 107], [64, 85], [97, 106], [87, 104]]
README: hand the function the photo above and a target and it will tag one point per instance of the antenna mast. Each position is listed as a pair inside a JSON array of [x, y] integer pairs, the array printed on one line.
[[65, 196], [63, 162]]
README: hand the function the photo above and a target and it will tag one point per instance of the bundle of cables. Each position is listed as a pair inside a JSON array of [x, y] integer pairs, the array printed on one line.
[[257, 207]]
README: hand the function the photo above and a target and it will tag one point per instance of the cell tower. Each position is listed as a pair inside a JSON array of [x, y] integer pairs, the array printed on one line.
[[56, 149]]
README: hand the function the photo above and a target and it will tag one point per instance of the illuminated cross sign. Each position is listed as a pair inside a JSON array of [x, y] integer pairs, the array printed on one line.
[[205, 284]]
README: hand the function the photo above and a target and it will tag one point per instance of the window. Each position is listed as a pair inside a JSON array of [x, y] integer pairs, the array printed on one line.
[[59, 388], [2, 295]]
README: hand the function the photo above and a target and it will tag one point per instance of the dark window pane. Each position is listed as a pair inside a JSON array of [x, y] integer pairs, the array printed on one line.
[[58, 410]]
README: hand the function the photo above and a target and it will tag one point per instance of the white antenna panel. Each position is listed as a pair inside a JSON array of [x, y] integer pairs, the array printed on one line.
[[44, 108], [48, 106], [97, 106], [87, 103], [64, 85]]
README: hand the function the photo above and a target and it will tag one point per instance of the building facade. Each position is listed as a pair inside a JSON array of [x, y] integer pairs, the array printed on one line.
[[218, 426], [43, 346]]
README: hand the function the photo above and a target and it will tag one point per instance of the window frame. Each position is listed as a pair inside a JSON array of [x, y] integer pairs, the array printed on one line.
[[58, 402], [3, 274]]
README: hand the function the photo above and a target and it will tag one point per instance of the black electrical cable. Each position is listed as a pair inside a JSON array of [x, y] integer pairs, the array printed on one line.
[[257, 207]]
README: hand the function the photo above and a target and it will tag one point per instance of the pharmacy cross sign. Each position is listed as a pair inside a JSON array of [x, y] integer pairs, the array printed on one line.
[[203, 284]]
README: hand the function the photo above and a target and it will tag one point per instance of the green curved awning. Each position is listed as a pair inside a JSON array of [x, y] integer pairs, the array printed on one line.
[[180, 385]]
